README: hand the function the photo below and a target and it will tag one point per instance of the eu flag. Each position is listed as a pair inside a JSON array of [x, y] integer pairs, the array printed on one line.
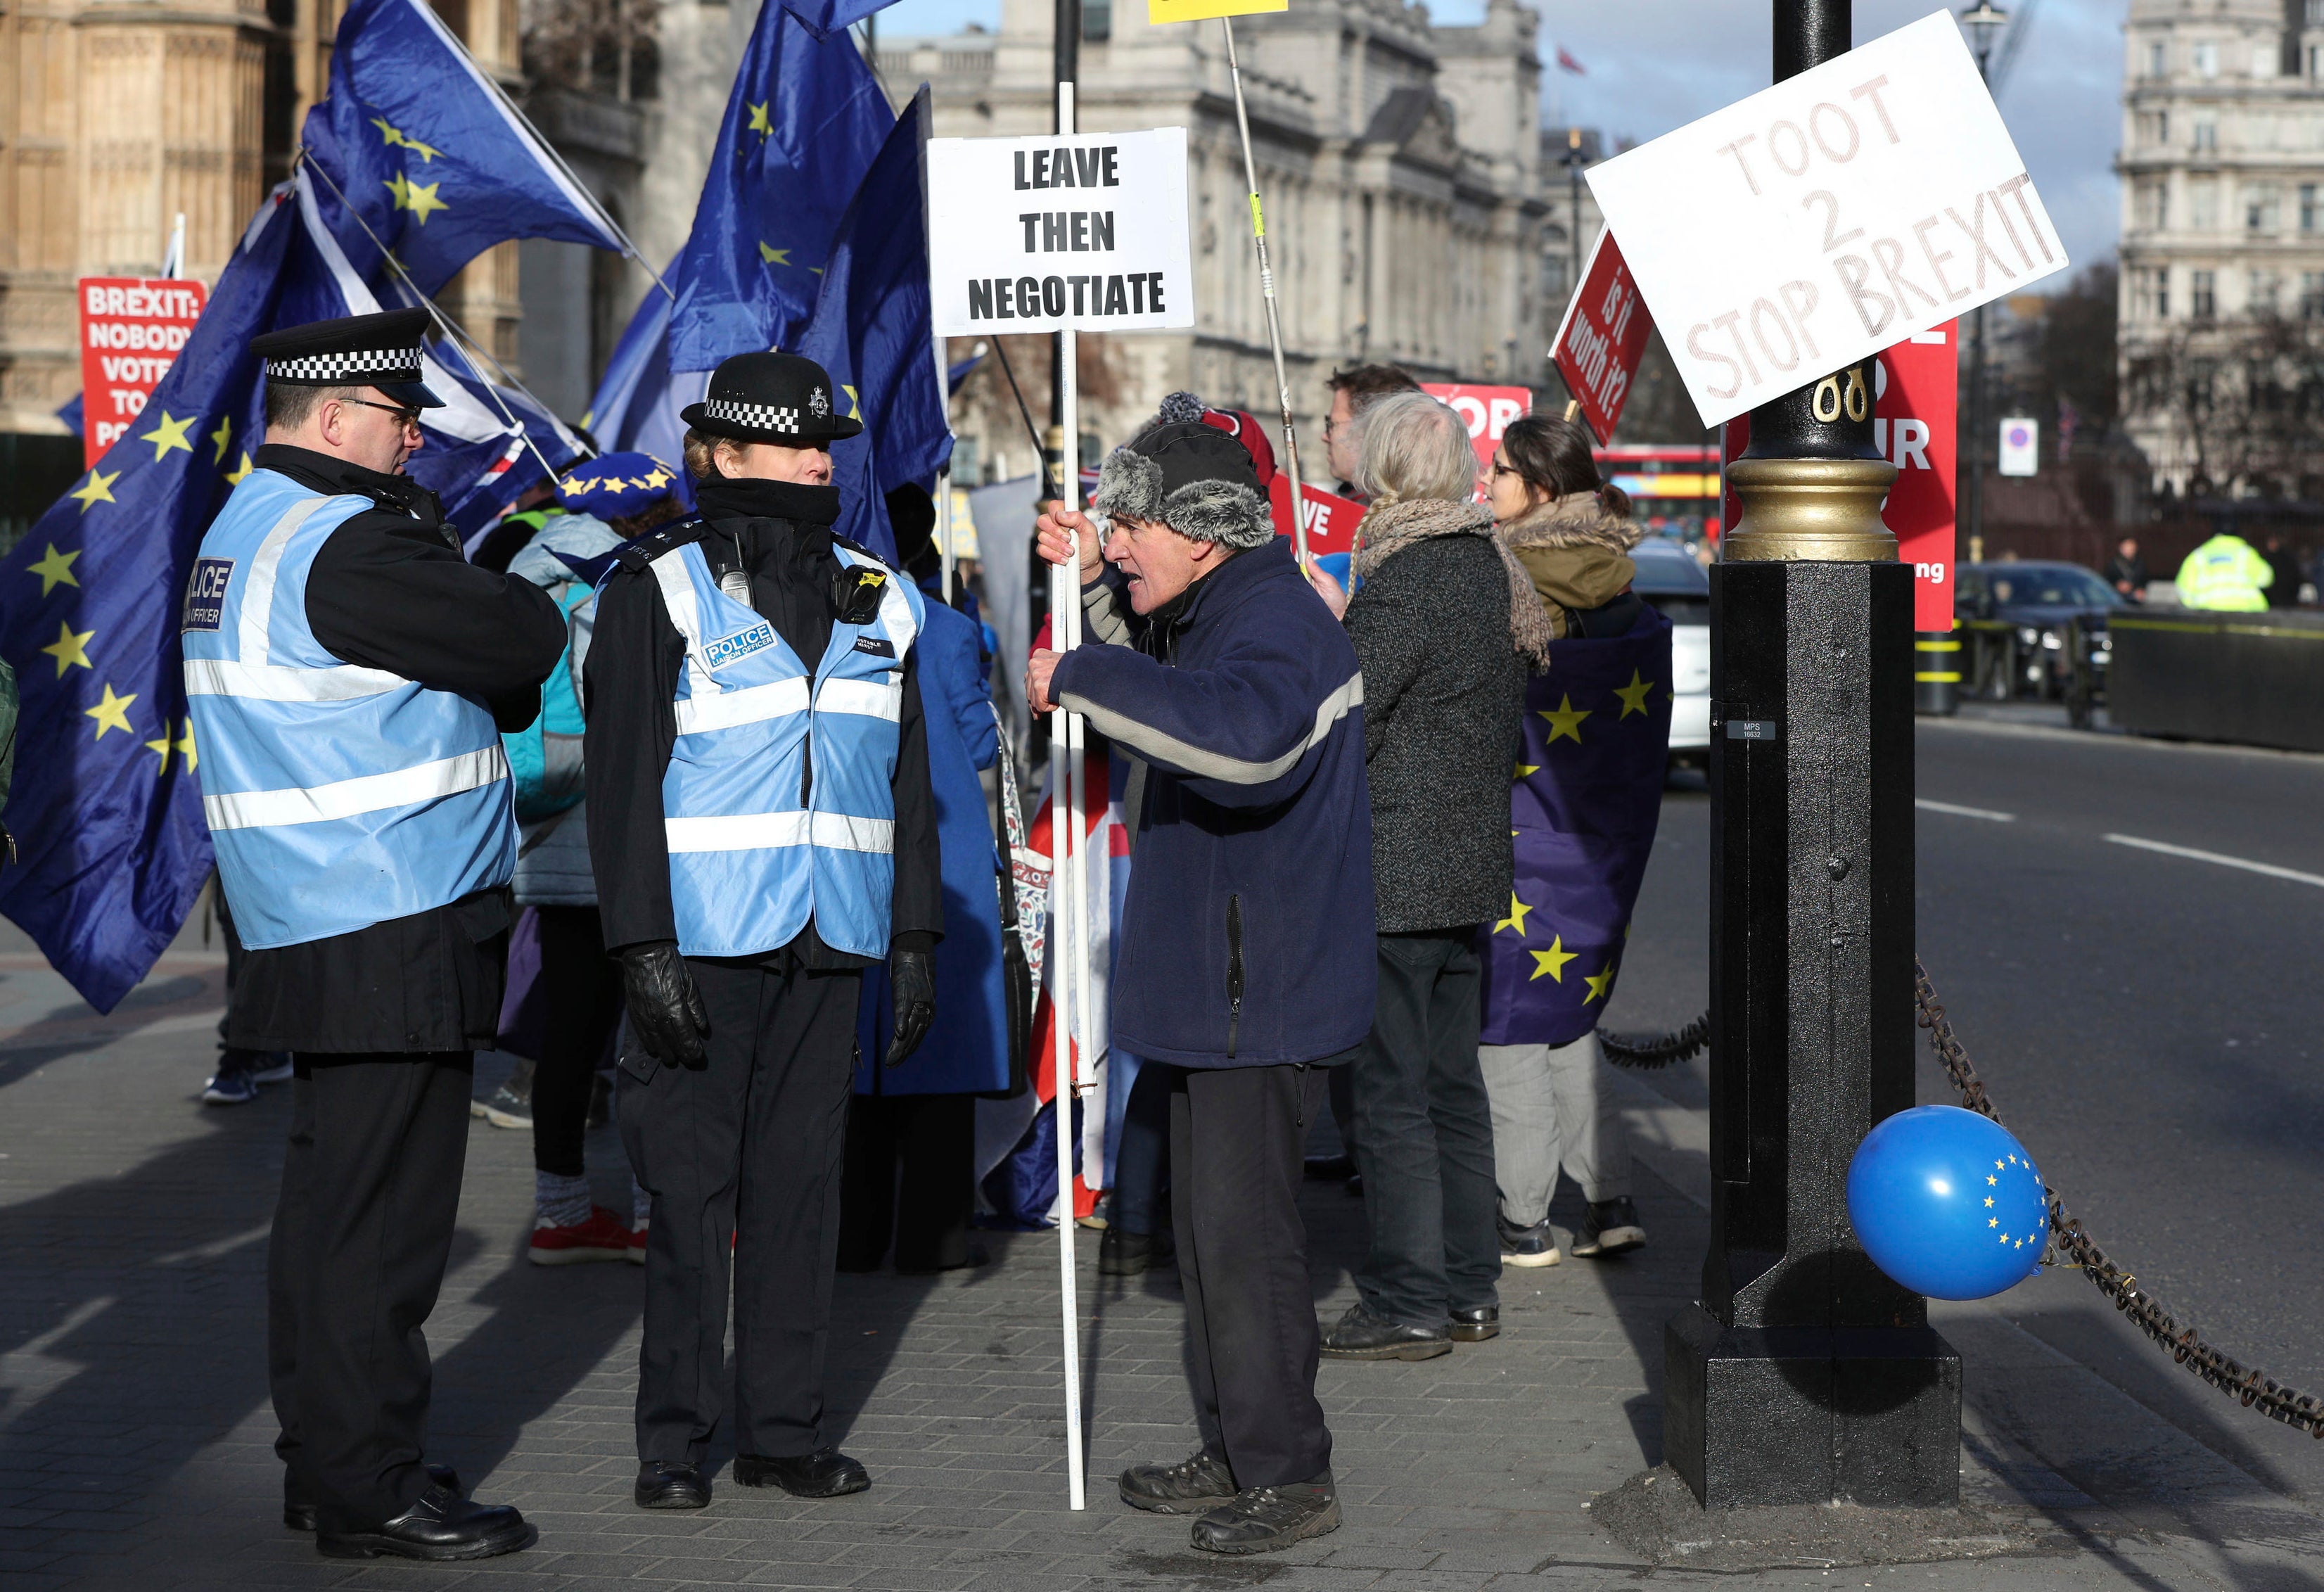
[[872, 330], [824, 18], [429, 155], [637, 404], [1584, 802], [805, 120]]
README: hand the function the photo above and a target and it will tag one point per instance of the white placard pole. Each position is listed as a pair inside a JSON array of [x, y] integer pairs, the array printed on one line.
[[1266, 292], [1066, 981], [943, 475]]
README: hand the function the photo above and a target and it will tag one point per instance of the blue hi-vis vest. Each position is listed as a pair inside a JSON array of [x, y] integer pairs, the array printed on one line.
[[337, 797], [779, 803]]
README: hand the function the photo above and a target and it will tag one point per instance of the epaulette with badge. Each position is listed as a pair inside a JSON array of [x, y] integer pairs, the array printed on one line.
[[638, 551]]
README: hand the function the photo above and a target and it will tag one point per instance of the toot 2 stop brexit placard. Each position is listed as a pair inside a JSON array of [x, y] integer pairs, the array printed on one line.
[[1035, 234]]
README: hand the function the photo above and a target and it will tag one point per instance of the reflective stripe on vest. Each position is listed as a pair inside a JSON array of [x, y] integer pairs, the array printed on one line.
[[338, 796], [749, 863]]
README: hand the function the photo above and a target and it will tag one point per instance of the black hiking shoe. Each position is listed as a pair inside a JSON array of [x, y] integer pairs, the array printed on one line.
[[1187, 1487], [1266, 1519]]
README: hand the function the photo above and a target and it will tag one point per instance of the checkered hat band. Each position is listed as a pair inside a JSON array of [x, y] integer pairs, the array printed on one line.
[[400, 365], [761, 417]]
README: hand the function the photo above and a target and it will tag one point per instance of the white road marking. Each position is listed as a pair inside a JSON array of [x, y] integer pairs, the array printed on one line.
[[1975, 812], [2270, 869]]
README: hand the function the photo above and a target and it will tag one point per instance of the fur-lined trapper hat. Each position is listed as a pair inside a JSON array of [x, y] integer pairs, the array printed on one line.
[[1195, 479]]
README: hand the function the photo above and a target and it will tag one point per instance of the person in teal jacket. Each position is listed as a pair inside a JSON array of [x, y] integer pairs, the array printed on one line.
[[921, 1115]]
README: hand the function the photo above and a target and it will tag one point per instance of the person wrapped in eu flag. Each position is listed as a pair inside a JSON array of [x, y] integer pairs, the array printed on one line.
[[762, 828], [1583, 806], [348, 675]]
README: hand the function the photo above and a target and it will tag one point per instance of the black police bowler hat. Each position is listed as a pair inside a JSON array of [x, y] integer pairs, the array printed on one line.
[[380, 351], [779, 398]]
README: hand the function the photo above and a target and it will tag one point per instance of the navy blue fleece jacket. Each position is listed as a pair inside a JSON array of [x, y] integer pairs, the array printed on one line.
[[1247, 933]]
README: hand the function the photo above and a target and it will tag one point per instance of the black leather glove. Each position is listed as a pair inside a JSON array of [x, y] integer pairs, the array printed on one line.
[[912, 974], [666, 1011]]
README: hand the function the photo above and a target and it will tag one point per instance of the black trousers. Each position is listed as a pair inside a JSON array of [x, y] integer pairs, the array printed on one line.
[[1238, 1140], [745, 1150], [583, 994], [1424, 1135], [911, 1173], [371, 1189]]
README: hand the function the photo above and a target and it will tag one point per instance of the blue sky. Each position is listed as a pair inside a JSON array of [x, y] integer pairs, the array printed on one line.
[[2061, 99]]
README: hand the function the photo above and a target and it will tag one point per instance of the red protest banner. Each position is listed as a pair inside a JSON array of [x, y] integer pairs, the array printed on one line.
[[1915, 385], [1331, 518], [131, 329], [1603, 336], [1488, 409]]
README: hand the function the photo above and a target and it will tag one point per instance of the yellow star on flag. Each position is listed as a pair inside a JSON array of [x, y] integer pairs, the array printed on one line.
[[113, 713], [1516, 919], [70, 648], [660, 477], [233, 478], [758, 123], [1993, 1221], [97, 489], [394, 139], [222, 436], [1524, 769], [419, 198], [1552, 960], [186, 749], [54, 569], [1565, 720], [165, 745], [1992, 1180], [171, 433], [854, 408], [1634, 695], [1988, 1202], [774, 256], [1599, 984]]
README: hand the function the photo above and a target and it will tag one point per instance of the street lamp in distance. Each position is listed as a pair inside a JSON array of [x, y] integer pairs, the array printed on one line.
[[1984, 22]]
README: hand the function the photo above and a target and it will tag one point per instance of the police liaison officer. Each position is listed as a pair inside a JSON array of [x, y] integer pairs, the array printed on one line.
[[762, 830], [348, 674]]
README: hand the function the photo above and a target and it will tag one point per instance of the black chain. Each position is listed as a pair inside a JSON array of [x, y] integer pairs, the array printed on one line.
[[2255, 1388], [1638, 1052]]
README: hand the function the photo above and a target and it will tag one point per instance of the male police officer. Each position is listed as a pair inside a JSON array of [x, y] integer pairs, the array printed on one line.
[[762, 828], [348, 675]]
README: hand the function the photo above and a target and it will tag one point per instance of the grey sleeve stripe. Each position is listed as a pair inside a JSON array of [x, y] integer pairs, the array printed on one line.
[[1101, 608], [1205, 764]]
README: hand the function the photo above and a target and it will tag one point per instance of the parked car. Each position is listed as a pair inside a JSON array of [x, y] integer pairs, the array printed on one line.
[[2018, 620], [1670, 580]]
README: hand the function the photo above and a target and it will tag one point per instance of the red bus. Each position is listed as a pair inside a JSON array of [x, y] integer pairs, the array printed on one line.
[[1674, 487]]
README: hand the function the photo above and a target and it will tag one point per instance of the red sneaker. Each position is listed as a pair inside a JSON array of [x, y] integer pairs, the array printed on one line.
[[600, 1238], [637, 1243]]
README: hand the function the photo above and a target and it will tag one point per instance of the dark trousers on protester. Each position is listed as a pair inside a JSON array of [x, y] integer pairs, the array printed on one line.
[[1424, 1135], [1238, 1140], [581, 993], [745, 1149], [911, 1173], [370, 1191]]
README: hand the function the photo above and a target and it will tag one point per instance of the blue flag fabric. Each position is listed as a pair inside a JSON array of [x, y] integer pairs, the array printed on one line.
[[872, 330], [1585, 802], [107, 808], [824, 18], [637, 404], [431, 159], [806, 118]]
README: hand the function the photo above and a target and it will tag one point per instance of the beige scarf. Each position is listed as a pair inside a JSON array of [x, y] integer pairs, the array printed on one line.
[[1392, 526]]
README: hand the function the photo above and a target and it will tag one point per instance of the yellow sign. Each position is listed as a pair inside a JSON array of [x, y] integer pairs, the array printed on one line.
[[1176, 11]]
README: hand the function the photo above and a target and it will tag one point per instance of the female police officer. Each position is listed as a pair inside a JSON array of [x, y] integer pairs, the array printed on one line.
[[762, 828]]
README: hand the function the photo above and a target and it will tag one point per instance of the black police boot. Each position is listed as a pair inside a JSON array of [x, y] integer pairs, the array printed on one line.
[[1265, 1519], [1126, 1254], [442, 1525], [299, 1510], [1475, 1326], [1362, 1335], [825, 1474], [1187, 1487], [665, 1484]]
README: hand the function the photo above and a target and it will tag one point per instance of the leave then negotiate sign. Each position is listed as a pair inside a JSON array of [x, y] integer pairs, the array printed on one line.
[[1864, 201], [1033, 234]]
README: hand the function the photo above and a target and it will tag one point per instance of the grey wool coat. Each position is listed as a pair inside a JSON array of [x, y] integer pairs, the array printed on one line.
[[1443, 700]]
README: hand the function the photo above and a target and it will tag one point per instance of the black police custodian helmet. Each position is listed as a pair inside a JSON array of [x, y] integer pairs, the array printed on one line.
[[380, 351], [772, 398]]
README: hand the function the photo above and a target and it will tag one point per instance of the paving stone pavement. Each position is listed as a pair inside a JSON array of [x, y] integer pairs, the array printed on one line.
[[135, 1435]]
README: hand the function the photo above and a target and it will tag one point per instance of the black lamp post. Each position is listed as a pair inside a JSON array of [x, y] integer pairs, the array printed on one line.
[[1803, 1375], [1984, 22]]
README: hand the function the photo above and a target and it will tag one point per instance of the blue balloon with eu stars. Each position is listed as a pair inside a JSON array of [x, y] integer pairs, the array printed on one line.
[[1948, 1203]]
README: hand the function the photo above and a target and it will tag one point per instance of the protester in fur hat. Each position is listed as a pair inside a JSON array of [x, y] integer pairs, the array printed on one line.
[[1245, 957], [1573, 533], [1446, 625]]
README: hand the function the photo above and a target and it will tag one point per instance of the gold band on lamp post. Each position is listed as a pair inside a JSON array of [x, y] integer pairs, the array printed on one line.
[[1813, 510]]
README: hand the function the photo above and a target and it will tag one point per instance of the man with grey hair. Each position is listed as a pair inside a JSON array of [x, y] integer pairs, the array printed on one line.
[[1245, 957]]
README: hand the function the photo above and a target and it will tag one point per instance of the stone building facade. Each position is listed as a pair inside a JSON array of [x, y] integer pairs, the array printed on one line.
[[1401, 166], [2221, 313]]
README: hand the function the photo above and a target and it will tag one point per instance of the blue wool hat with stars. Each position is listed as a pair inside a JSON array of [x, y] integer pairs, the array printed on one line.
[[614, 484]]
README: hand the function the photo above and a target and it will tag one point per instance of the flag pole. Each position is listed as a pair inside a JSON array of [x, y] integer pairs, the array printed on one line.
[[943, 475], [1266, 291]]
